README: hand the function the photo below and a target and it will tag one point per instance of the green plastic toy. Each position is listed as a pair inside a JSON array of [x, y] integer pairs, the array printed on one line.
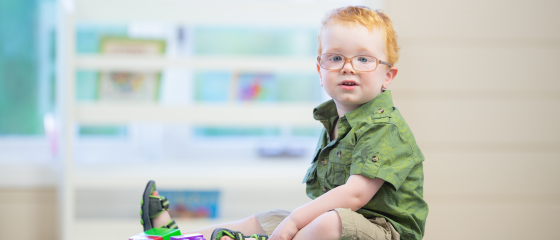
[[157, 233]]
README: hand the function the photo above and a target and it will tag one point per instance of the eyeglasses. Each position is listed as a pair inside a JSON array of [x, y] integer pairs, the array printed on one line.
[[360, 63]]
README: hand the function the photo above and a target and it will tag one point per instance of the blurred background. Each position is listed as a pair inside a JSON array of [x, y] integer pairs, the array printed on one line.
[[214, 99]]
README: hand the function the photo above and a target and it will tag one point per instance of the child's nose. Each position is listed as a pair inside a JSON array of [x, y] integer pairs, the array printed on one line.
[[347, 68]]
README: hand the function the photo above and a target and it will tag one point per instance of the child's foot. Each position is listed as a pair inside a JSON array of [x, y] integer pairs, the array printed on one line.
[[163, 218], [153, 210]]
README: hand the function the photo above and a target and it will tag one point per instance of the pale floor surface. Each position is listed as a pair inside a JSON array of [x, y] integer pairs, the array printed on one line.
[[123, 229]]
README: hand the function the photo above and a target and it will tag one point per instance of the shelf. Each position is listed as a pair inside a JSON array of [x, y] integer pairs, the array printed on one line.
[[200, 174], [205, 114], [209, 12], [112, 62]]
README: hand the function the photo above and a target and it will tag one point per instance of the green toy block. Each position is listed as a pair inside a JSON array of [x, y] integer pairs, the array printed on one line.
[[165, 233]]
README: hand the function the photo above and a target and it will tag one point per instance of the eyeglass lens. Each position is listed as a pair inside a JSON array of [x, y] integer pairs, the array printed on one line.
[[360, 63]]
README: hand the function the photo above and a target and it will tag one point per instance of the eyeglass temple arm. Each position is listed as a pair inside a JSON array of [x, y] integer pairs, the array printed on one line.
[[386, 63]]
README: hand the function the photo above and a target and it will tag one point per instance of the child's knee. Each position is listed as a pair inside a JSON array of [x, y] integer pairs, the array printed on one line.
[[251, 219], [332, 219], [329, 224]]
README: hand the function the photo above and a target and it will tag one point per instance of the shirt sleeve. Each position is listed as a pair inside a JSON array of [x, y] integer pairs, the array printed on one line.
[[381, 152]]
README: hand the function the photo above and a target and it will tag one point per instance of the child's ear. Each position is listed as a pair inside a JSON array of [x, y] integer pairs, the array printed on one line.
[[389, 76], [319, 71]]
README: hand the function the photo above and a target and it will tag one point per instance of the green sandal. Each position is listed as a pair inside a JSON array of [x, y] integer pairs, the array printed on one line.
[[152, 206], [220, 232], [259, 236]]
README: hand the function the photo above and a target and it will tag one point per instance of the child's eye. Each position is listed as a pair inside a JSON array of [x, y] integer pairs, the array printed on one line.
[[363, 59], [336, 58]]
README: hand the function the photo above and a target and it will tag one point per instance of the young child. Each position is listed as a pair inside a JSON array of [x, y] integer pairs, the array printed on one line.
[[366, 177]]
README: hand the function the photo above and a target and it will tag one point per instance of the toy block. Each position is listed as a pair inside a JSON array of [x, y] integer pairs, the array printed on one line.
[[142, 236], [156, 234], [196, 236]]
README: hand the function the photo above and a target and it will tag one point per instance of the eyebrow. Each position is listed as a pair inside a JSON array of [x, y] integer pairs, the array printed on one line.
[[331, 49], [360, 50]]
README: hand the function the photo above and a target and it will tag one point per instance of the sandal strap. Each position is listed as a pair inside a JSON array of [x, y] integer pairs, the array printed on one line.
[[259, 236], [157, 205], [220, 232], [165, 203], [171, 225]]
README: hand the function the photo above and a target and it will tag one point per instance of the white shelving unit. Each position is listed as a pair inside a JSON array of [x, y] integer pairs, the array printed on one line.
[[189, 12], [207, 114]]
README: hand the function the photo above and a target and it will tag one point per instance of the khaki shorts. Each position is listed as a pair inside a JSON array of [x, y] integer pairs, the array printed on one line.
[[354, 225]]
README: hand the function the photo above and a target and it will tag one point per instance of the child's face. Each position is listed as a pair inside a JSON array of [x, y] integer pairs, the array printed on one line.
[[350, 41]]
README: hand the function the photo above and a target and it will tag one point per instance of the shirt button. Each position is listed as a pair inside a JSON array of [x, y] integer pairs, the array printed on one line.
[[324, 161], [380, 110], [338, 154], [374, 159]]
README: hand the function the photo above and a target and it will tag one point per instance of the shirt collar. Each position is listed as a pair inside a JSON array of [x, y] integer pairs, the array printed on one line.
[[380, 107]]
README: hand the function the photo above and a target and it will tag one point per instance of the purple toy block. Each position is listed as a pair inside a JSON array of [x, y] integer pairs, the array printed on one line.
[[196, 236]]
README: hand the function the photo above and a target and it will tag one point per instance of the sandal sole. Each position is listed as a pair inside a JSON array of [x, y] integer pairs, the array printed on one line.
[[145, 205]]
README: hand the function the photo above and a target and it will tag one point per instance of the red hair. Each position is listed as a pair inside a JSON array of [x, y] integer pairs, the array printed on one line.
[[370, 19]]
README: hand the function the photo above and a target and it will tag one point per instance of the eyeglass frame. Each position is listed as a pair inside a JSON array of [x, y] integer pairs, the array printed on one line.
[[352, 64]]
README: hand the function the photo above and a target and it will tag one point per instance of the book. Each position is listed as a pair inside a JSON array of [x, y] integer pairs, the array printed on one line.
[[127, 85], [192, 203]]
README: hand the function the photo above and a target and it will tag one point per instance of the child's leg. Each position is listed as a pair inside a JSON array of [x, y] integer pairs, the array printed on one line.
[[343, 222], [247, 226], [325, 227]]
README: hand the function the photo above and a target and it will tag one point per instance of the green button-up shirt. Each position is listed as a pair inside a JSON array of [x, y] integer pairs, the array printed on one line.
[[373, 141]]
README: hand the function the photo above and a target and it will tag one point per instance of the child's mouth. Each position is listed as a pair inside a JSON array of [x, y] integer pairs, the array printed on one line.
[[348, 85]]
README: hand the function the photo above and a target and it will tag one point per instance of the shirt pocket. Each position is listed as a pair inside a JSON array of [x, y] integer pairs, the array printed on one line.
[[311, 172], [338, 168]]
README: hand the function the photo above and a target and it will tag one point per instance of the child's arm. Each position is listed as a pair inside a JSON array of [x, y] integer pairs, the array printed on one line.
[[356, 193]]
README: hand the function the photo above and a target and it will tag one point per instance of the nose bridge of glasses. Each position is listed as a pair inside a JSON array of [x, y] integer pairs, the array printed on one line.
[[348, 60]]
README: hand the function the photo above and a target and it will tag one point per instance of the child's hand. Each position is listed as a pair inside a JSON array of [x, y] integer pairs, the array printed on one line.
[[285, 231]]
